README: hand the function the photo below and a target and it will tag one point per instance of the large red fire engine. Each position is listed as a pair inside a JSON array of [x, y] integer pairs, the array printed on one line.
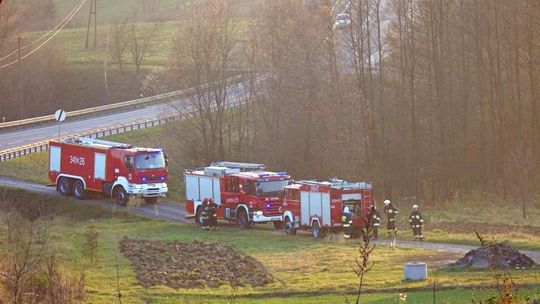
[[319, 205], [114, 169], [245, 193]]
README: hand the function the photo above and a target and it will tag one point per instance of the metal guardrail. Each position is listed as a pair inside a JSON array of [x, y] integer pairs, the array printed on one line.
[[102, 132], [109, 107]]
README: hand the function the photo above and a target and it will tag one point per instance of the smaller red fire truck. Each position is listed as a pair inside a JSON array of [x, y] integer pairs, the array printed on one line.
[[318, 206], [245, 193], [117, 170]]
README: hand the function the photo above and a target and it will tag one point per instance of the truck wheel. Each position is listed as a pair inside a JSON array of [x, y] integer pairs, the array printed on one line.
[[150, 200], [317, 231], [242, 220], [65, 186], [120, 196], [78, 190], [198, 216], [278, 225], [289, 227]]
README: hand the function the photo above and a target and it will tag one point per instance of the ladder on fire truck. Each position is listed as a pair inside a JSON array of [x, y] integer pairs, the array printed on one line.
[[241, 166], [97, 142]]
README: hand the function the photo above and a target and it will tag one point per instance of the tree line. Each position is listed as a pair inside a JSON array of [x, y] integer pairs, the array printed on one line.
[[429, 99]]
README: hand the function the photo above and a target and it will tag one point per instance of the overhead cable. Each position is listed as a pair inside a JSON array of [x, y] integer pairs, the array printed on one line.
[[62, 24]]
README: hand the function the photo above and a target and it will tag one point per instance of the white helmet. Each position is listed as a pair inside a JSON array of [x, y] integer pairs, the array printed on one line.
[[415, 206], [346, 209], [387, 202]]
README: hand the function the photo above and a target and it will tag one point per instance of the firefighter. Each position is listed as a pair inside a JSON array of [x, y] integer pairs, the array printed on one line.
[[390, 211], [346, 221], [375, 218], [417, 222], [212, 214], [205, 219]]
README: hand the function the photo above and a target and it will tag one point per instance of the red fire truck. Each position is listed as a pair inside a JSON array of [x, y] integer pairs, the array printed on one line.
[[117, 170], [245, 193], [318, 206]]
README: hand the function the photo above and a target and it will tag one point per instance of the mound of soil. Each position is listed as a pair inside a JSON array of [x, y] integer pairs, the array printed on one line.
[[192, 265], [499, 256]]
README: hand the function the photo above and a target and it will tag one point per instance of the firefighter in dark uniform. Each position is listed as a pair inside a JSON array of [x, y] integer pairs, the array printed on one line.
[[205, 219], [390, 211], [212, 214], [346, 221], [375, 221], [417, 222]]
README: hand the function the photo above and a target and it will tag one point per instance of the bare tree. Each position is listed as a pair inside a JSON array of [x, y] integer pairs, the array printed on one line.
[[120, 40], [139, 46], [25, 245], [365, 248], [202, 55]]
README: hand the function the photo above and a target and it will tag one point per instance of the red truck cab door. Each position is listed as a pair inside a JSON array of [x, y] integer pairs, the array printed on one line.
[[230, 196]]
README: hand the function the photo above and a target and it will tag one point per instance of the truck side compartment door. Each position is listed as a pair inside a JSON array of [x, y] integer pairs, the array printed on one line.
[[100, 163], [55, 157], [304, 208]]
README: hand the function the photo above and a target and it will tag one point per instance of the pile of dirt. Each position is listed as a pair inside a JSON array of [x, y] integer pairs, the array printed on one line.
[[499, 255], [192, 265]]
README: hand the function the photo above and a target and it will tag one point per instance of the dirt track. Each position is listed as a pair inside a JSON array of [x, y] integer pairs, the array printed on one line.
[[176, 213]]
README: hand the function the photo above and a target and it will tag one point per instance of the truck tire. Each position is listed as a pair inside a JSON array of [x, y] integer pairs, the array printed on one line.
[[278, 225], [78, 190], [120, 196], [242, 219], [289, 227], [151, 200], [65, 186], [317, 231]]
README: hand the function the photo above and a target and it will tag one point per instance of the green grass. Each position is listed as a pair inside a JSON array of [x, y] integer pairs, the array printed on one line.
[[71, 41], [32, 168], [306, 270], [111, 11]]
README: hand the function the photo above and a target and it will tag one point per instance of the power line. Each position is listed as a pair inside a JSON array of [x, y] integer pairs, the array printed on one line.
[[42, 37], [48, 39]]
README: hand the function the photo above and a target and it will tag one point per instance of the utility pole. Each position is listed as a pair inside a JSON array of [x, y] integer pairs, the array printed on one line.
[[19, 78], [93, 11]]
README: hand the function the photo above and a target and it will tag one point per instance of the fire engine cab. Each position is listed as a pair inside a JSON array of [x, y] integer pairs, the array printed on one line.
[[117, 170], [245, 193], [318, 206]]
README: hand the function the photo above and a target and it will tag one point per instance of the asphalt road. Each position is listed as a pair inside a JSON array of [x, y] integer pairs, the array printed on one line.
[[17, 138], [164, 210], [176, 213]]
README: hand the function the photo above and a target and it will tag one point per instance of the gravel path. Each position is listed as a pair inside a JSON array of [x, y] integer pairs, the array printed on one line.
[[177, 213]]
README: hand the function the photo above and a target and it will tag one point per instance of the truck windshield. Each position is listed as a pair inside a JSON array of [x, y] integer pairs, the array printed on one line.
[[270, 188], [150, 160]]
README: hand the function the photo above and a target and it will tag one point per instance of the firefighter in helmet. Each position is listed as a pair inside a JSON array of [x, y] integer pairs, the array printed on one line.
[[390, 211], [212, 214], [375, 221], [346, 221], [205, 219], [417, 222]]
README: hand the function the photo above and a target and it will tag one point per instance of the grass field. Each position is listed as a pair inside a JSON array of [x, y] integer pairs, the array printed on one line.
[[111, 11], [71, 41], [306, 270]]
